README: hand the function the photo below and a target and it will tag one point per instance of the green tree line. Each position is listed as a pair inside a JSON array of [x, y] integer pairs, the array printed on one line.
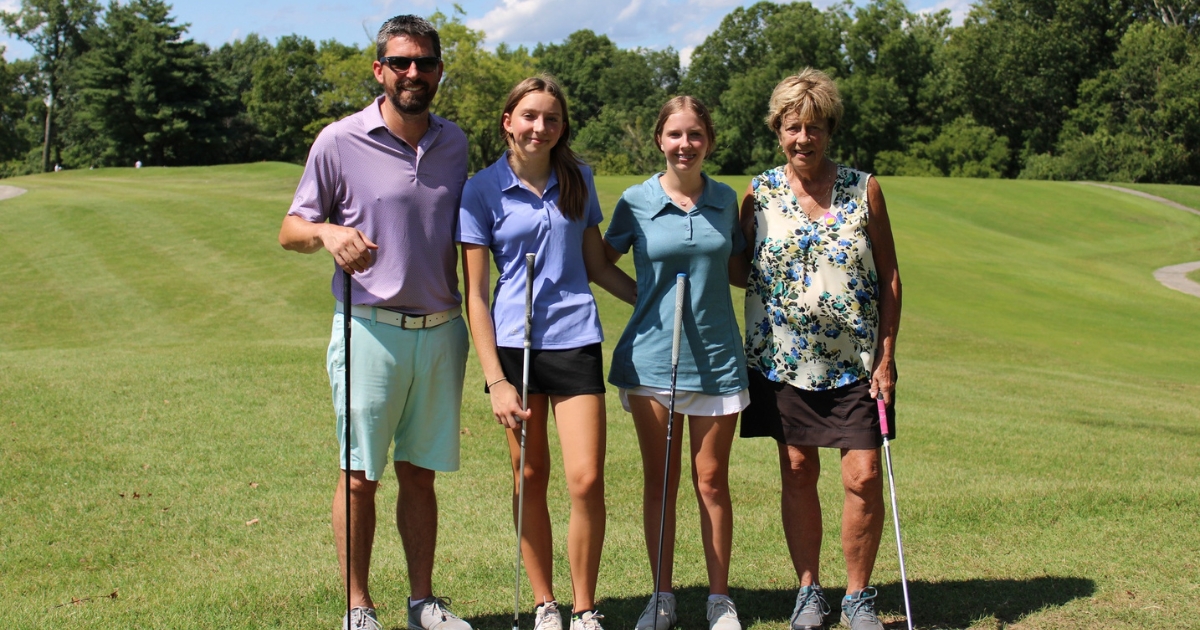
[[1051, 89]]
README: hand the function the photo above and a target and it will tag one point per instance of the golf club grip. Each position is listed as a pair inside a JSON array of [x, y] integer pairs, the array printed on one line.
[[883, 420], [529, 258], [680, 291], [347, 314]]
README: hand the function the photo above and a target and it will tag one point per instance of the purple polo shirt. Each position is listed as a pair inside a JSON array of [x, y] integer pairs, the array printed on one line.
[[361, 175], [499, 212]]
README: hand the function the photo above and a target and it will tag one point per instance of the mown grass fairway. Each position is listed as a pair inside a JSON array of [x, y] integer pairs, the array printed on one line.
[[163, 386]]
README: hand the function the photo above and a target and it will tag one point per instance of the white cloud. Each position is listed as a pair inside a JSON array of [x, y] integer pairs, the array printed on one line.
[[958, 9], [628, 23], [685, 56], [630, 10]]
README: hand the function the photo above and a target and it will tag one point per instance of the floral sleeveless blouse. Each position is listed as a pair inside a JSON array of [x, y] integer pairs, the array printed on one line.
[[812, 299]]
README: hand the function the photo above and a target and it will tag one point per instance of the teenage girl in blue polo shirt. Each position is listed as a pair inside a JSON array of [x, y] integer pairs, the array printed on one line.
[[538, 198], [680, 221]]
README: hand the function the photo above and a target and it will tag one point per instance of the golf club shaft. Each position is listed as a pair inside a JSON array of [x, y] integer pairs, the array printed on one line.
[[347, 308], [529, 258], [680, 292], [887, 456]]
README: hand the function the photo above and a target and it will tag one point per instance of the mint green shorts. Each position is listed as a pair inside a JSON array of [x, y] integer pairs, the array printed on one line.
[[405, 390]]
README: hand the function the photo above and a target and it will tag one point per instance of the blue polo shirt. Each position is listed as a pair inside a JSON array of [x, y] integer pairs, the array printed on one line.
[[499, 212], [667, 241]]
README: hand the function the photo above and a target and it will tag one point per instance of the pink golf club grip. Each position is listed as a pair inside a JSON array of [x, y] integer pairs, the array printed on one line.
[[883, 424]]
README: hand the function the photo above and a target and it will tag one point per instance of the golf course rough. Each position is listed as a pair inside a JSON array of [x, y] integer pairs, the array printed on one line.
[[162, 386]]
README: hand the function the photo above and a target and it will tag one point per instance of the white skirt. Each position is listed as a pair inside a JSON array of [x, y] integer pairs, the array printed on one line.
[[691, 403]]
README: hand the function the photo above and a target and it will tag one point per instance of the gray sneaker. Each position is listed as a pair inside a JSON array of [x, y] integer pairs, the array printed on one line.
[[547, 617], [858, 611], [433, 613], [663, 619], [361, 618], [722, 614], [589, 620], [811, 608]]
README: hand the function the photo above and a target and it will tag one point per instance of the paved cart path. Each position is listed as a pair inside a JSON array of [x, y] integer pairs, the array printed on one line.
[[1172, 276], [8, 192]]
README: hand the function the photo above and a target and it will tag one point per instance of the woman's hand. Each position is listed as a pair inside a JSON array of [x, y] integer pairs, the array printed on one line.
[[506, 405], [883, 380]]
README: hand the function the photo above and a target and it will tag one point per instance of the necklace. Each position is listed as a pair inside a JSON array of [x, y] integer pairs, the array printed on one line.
[[682, 199], [813, 202]]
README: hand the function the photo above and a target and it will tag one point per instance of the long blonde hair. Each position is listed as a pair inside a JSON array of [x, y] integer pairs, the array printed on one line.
[[572, 191]]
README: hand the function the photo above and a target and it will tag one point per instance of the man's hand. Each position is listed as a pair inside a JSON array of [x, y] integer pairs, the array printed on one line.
[[351, 249]]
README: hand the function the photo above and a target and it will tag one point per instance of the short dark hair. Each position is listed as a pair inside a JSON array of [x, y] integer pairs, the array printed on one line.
[[408, 25]]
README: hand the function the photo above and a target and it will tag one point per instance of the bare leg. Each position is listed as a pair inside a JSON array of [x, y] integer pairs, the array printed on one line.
[[537, 546], [417, 522], [362, 518], [711, 439], [799, 468], [650, 419], [581, 432], [862, 515]]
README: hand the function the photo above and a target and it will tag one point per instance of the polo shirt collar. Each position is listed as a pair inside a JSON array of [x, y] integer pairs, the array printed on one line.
[[509, 179], [665, 201], [373, 120]]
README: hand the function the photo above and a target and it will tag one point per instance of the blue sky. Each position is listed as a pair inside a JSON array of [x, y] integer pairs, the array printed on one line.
[[651, 23]]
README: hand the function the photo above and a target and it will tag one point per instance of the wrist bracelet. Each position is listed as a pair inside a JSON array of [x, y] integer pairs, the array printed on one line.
[[502, 378]]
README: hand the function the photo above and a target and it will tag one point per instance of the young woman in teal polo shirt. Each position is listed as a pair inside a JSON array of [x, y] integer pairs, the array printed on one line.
[[681, 221]]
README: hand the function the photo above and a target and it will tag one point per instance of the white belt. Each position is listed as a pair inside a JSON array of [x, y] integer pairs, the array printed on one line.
[[408, 322]]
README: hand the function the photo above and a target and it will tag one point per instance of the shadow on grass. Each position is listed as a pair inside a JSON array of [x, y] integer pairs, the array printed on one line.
[[950, 604]]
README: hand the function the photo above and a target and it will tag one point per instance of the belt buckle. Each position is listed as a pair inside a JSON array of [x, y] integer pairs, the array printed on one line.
[[418, 320]]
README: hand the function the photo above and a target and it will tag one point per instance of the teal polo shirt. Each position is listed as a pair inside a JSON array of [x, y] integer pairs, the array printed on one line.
[[667, 241]]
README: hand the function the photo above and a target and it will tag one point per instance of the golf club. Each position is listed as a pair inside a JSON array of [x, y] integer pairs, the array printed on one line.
[[680, 291], [887, 455], [524, 407], [346, 317]]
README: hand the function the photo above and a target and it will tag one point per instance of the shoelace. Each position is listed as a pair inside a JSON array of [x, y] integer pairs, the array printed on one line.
[[863, 605], [441, 606], [814, 596], [362, 619], [549, 610], [591, 622], [662, 607], [721, 608]]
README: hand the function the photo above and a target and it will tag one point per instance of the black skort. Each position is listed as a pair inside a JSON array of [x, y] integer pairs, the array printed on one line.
[[845, 417], [556, 372]]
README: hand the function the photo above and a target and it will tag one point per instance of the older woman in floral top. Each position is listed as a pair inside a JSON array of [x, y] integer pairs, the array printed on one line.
[[822, 311]]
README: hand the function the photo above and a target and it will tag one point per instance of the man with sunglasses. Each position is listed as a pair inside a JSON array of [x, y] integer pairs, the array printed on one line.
[[380, 192]]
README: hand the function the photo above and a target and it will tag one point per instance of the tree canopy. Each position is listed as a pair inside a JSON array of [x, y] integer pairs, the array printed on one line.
[[1065, 89]]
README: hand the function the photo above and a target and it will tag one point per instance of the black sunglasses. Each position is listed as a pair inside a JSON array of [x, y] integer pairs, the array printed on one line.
[[401, 64]]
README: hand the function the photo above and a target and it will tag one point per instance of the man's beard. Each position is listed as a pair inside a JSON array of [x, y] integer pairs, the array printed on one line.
[[411, 102]]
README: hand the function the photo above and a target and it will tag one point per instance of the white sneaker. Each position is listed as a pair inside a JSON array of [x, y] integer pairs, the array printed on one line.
[[662, 619], [361, 618], [589, 620], [432, 614], [722, 614], [547, 617]]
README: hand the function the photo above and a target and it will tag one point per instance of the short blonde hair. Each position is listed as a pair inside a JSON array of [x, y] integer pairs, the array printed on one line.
[[811, 95]]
